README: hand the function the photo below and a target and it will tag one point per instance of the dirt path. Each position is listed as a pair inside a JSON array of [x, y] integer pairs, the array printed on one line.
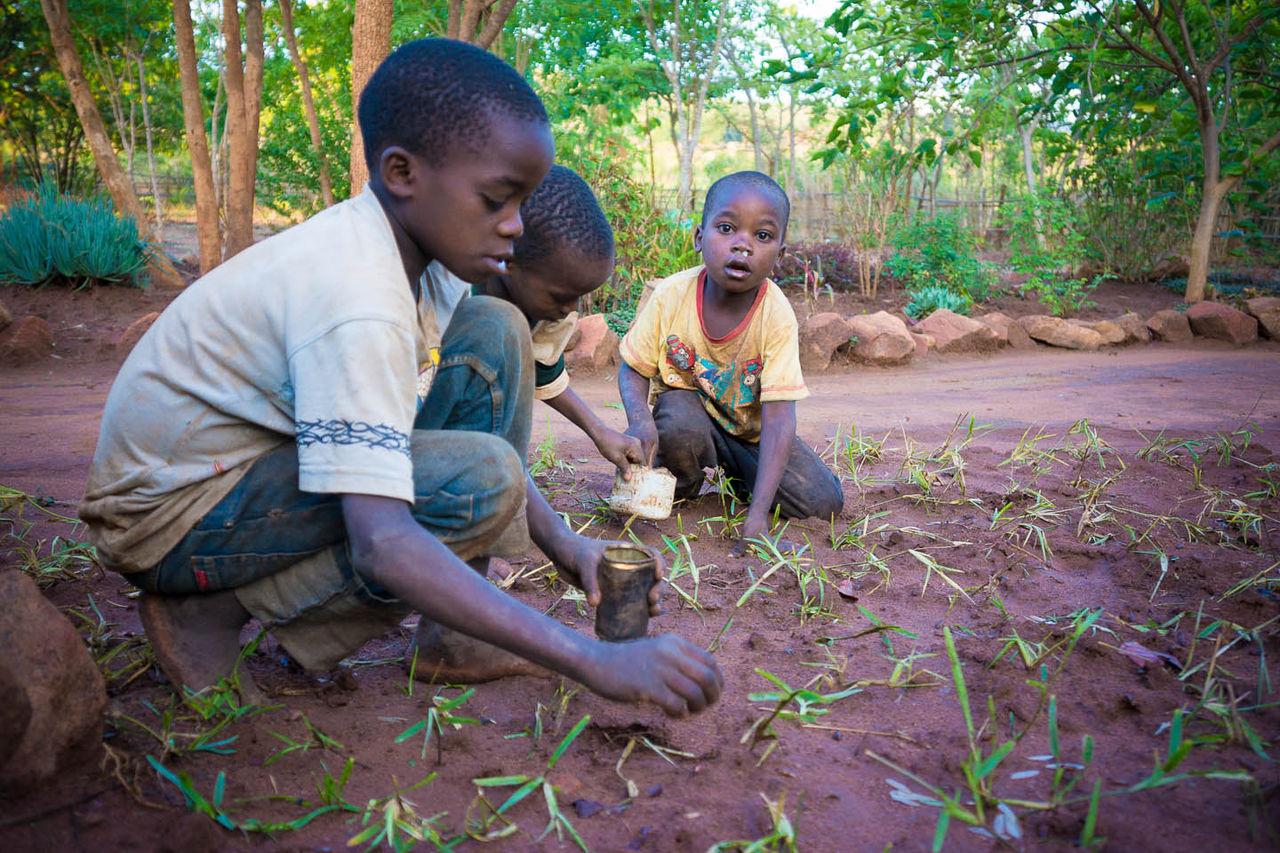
[[1022, 546]]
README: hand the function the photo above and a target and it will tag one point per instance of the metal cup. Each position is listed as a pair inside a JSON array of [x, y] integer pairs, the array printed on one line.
[[626, 576]]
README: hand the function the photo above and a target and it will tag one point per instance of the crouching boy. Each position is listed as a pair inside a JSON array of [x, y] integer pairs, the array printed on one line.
[[718, 345], [263, 452]]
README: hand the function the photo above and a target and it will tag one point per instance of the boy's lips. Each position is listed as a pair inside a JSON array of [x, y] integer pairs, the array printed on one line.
[[737, 269], [497, 264]]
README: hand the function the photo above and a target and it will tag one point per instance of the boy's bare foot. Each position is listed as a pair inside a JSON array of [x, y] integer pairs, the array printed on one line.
[[445, 656], [196, 639]]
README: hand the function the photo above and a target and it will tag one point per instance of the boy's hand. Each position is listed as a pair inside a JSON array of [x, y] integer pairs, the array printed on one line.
[[622, 450], [667, 670], [645, 431], [580, 564]]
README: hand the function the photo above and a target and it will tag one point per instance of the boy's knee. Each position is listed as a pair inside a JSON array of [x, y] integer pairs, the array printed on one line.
[[488, 320]]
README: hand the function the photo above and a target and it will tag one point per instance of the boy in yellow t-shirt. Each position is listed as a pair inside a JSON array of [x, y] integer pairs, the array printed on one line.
[[718, 344]]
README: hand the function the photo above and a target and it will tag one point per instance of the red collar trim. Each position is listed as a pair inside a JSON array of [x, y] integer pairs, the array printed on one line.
[[746, 320]]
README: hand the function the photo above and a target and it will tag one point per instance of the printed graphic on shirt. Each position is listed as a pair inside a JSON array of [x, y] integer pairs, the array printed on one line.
[[731, 386], [342, 432], [679, 354], [427, 374]]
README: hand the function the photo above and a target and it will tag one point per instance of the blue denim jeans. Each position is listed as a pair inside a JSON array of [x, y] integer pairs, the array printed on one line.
[[468, 446]]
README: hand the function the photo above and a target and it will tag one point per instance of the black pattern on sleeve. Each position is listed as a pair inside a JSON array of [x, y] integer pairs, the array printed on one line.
[[340, 432]]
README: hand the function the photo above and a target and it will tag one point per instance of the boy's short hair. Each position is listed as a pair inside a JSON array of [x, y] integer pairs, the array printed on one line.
[[758, 181], [563, 213], [432, 94]]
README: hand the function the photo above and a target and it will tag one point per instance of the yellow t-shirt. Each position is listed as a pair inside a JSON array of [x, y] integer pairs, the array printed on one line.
[[756, 363]]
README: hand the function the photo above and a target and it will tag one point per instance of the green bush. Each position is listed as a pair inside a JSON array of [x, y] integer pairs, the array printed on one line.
[[938, 252], [1046, 243], [650, 244], [931, 297], [52, 238]]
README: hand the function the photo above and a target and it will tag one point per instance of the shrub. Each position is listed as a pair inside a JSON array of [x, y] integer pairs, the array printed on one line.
[[838, 262], [931, 297], [938, 252], [1045, 243], [49, 237]]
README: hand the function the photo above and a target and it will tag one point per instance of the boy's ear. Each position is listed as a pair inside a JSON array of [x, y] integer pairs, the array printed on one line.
[[397, 169], [697, 237]]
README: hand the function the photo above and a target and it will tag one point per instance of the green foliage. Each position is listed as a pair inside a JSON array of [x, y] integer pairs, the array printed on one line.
[[50, 237], [1046, 243], [649, 243], [932, 256], [931, 297]]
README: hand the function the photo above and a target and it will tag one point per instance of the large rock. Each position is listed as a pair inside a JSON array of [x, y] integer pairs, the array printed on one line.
[[955, 333], [134, 333], [1222, 323], [1110, 332], [596, 349], [820, 336], [1057, 332], [883, 339], [1169, 325], [47, 661], [1135, 328], [26, 342], [5, 317], [924, 344], [1266, 309], [1008, 332]]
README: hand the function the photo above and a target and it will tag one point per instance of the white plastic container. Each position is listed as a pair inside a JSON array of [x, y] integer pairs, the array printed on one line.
[[648, 494]]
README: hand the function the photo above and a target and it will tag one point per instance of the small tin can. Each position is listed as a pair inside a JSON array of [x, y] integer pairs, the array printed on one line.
[[626, 576], [648, 494]]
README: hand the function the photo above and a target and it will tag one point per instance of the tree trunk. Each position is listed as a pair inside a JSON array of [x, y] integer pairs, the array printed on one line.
[[95, 132], [465, 17], [244, 88], [208, 237], [1028, 156], [104, 156], [370, 44], [151, 152], [308, 105]]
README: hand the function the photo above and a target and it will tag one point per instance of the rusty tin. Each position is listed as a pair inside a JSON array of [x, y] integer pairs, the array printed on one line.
[[626, 576]]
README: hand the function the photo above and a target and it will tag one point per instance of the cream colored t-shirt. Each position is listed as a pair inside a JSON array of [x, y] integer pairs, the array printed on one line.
[[549, 337], [756, 363], [310, 336]]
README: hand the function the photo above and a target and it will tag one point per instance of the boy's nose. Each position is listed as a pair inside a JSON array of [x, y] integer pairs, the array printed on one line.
[[511, 227]]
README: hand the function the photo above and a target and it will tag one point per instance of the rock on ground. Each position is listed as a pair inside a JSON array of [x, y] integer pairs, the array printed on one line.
[[1135, 329], [1222, 323], [1169, 325], [820, 336], [47, 661], [954, 333], [883, 339], [1266, 309], [924, 344], [129, 339], [1110, 332], [596, 348], [1008, 332], [26, 342], [1057, 332]]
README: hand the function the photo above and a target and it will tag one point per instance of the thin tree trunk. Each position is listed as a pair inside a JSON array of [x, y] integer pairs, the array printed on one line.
[[239, 201], [104, 156], [151, 153], [95, 132], [1028, 155], [791, 144], [208, 237], [370, 44], [308, 105]]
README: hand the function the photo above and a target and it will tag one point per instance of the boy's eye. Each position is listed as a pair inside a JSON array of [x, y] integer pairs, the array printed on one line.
[[493, 204], [764, 236], [724, 228]]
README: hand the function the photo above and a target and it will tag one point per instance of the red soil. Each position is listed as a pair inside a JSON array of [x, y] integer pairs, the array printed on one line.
[[1105, 496]]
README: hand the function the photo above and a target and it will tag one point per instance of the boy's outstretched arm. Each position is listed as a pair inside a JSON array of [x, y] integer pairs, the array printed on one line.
[[622, 450], [389, 547], [777, 431], [633, 389]]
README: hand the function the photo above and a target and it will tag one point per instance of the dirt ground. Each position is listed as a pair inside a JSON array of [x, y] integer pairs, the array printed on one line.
[[1094, 534]]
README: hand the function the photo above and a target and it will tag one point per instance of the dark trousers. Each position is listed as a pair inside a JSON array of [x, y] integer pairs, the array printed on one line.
[[690, 440]]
